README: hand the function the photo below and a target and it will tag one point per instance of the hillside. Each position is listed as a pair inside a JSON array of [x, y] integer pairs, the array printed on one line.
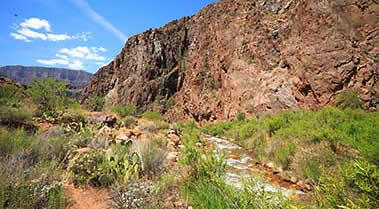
[[24, 75], [254, 57]]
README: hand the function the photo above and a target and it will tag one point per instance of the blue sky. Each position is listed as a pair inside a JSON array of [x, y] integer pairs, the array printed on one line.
[[79, 34]]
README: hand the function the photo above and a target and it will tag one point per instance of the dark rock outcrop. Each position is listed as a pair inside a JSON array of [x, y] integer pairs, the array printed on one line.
[[256, 57]]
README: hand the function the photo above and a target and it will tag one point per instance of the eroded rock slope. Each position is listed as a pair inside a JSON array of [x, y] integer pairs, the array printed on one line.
[[252, 56]]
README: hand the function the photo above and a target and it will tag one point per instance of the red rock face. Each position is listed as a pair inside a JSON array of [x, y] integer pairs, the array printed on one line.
[[256, 57]]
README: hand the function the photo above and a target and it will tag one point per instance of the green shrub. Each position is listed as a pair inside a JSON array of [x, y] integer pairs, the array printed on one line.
[[170, 102], [49, 95], [86, 169], [152, 115], [99, 169], [16, 118], [154, 126], [123, 111], [241, 116], [355, 185], [132, 196], [13, 142], [96, 103], [73, 116], [152, 158], [32, 195], [284, 153], [129, 122], [349, 99], [11, 96]]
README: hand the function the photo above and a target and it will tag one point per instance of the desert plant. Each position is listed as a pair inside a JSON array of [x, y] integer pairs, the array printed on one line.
[[49, 95], [131, 196], [154, 126], [96, 103], [354, 185], [123, 111], [284, 153], [152, 115], [241, 116], [349, 99], [11, 96], [85, 169], [170, 102], [17, 118], [98, 168], [129, 121], [152, 158]]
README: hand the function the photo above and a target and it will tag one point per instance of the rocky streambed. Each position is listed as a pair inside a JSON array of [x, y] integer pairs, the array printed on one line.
[[241, 167]]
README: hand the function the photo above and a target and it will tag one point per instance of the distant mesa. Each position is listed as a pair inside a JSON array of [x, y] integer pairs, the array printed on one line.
[[75, 79]]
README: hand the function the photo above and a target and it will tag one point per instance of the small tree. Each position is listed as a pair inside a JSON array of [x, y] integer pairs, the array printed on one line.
[[96, 103], [49, 95]]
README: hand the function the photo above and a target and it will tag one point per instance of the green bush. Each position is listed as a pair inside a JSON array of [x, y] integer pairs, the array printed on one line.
[[99, 169], [152, 158], [13, 142], [132, 196], [349, 99], [49, 95], [284, 153], [85, 169], [129, 122], [11, 96], [154, 126], [123, 111], [96, 103], [152, 115], [24, 163], [170, 102], [16, 118], [355, 185], [241, 116]]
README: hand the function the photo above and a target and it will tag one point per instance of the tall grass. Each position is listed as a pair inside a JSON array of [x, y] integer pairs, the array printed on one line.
[[127, 110], [352, 128]]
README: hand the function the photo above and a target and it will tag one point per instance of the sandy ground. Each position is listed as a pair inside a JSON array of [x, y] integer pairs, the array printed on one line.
[[87, 198]]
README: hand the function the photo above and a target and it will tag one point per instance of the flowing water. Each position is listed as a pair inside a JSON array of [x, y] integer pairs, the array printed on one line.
[[242, 167]]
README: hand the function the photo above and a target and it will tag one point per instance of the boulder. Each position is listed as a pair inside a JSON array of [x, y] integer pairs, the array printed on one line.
[[123, 134], [234, 157], [172, 156], [174, 139], [104, 118], [300, 183], [104, 132], [83, 150], [136, 132], [308, 187], [293, 179]]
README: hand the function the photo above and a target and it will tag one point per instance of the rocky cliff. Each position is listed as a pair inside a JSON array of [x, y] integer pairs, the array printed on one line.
[[24, 75], [251, 56]]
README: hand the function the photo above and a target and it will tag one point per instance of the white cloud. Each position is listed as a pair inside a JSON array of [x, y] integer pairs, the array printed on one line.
[[19, 37], [73, 57], [100, 19], [58, 37], [62, 56], [53, 62], [36, 23], [76, 65], [84, 52], [27, 31], [31, 34], [84, 36]]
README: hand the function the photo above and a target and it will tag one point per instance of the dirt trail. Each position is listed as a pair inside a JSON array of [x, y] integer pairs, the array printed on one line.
[[87, 198]]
